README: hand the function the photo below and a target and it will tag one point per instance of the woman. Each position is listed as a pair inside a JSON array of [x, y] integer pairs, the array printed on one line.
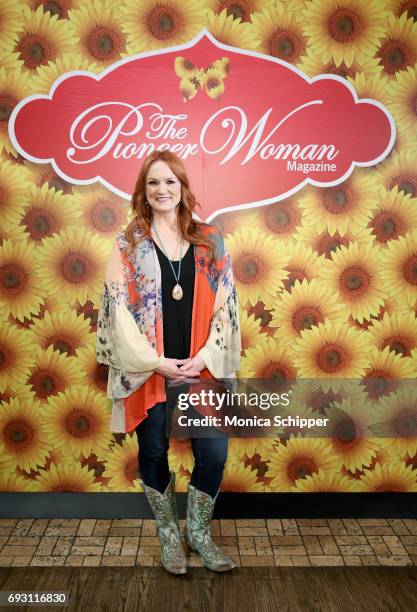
[[169, 313]]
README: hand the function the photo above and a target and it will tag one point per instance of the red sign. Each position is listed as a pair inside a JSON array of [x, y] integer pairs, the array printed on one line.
[[251, 129]]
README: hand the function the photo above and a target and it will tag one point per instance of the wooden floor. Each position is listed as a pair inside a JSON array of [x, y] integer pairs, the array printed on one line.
[[282, 564], [255, 589]]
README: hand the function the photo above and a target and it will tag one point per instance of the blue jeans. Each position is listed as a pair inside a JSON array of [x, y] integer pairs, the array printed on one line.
[[210, 454]]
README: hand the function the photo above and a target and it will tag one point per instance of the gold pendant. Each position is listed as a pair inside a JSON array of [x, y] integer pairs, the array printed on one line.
[[177, 292]]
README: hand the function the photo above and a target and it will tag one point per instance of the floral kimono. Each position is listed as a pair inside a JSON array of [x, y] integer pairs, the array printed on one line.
[[130, 329]]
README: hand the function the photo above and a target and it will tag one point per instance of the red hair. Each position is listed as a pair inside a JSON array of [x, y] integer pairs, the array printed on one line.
[[193, 231]]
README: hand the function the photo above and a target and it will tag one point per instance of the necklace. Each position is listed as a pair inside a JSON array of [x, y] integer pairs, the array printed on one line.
[[177, 292]]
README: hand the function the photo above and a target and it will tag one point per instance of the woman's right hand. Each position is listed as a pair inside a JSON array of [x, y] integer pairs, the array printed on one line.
[[170, 368]]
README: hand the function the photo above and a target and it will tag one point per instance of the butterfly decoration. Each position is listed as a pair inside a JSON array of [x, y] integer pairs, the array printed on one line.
[[210, 79]]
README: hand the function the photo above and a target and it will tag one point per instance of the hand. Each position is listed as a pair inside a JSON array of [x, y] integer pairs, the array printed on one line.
[[170, 368], [193, 367]]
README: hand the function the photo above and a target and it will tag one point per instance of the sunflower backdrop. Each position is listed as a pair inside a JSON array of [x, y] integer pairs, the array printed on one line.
[[327, 279]]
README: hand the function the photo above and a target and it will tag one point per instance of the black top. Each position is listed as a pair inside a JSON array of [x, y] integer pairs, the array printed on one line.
[[177, 314]]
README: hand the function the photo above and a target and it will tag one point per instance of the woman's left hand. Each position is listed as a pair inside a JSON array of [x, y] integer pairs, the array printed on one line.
[[193, 367]]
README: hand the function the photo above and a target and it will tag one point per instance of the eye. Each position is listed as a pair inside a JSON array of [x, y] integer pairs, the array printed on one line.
[[170, 181], [152, 183]]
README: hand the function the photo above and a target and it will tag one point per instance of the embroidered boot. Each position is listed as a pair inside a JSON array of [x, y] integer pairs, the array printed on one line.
[[197, 532], [163, 506]]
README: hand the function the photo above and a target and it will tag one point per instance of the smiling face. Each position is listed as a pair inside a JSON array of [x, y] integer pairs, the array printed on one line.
[[163, 188]]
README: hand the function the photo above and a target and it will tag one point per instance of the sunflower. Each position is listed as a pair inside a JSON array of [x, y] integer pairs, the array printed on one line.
[[72, 263], [59, 8], [22, 392], [15, 357], [391, 477], [10, 62], [354, 274], [41, 174], [95, 374], [384, 371], [404, 141], [398, 7], [389, 306], [313, 65], [9, 231], [250, 331], [303, 264], [397, 331], [394, 216], [402, 95], [17, 161], [330, 352], [241, 448], [322, 482], [344, 29], [258, 264], [12, 483], [399, 267], [59, 456], [64, 331], [383, 455], [326, 245], [238, 9], [269, 362], [294, 410], [182, 481], [371, 86], [344, 206], [238, 478], [122, 466], [96, 463], [10, 24], [99, 35], [49, 305], [233, 32], [153, 24], [308, 304], [188, 89], [68, 478], [396, 421], [398, 48], [280, 33], [230, 222], [13, 193], [45, 76], [263, 311], [212, 82], [318, 399], [403, 307], [53, 373], [22, 433], [185, 70], [90, 313], [20, 290], [259, 464], [3, 461], [280, 218], [400, 170], [78, 420], [349, 431], [180, 454], [43, 38], [298, 459], [48, 213], [103, 212]]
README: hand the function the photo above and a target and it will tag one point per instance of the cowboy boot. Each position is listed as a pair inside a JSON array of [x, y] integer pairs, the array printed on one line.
[[197, 532], [163, 506]]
